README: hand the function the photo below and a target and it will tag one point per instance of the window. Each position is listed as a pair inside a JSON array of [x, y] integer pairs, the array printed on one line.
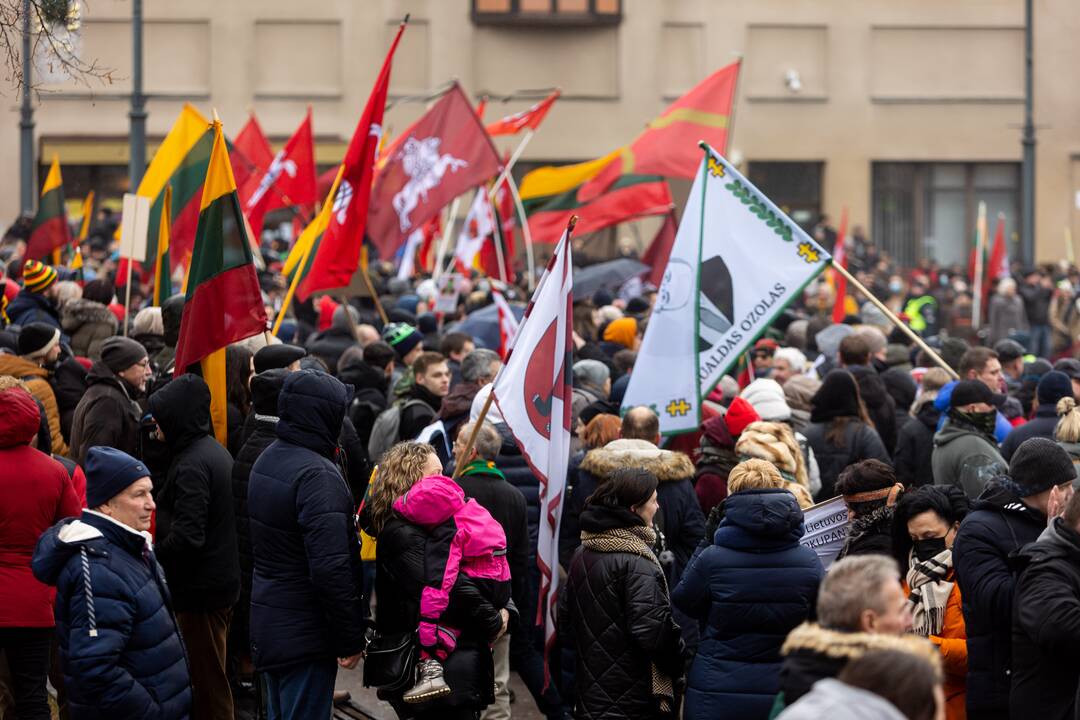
[[566, 13], [795, 187], [929, 210]]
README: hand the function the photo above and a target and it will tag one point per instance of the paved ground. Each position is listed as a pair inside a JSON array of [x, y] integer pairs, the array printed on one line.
[[352, 680]]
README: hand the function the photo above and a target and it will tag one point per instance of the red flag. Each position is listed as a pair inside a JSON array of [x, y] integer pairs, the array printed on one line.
[[250, 158], [659, 250], [533, 394], [669, 145], [445, 154], [503, 236], [289, 180], [339, 252], [531, 118], [998, 267], [840, 259]]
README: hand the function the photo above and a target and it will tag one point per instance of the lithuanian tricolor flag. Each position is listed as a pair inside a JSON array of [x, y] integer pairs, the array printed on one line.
[[223, 302], [162, 268], [180, 163], [50, 230], [550, 195]]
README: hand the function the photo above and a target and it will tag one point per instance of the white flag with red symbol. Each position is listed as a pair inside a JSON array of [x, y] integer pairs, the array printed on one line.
[[533, 393], [508, 324]]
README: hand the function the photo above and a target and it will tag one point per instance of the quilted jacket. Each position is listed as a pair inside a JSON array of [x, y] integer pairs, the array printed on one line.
[[750, 587], [120, 649], [616, 614]]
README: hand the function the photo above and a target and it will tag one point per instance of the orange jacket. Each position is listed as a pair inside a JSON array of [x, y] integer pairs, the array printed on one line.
[[952, 642]]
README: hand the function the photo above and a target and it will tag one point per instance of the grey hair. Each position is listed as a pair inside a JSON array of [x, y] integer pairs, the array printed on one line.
[[477, 364], [488, 440], [853, 585]]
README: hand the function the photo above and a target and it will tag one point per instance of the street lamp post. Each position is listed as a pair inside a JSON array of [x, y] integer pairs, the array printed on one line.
[[1027, 200], [137, 139], [26, 122]]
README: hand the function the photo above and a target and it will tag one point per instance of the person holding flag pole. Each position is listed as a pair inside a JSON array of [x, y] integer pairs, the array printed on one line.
[[533, 394]]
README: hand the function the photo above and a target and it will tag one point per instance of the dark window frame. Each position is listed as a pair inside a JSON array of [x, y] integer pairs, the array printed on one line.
[[918, 189], [516, 17]]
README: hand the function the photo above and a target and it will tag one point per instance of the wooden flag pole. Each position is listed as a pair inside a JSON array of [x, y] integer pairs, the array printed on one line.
[[127, 295], [371, 287], [896, 321]]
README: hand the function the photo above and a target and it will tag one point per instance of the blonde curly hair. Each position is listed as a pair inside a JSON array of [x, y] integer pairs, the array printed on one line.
[[402, 467]]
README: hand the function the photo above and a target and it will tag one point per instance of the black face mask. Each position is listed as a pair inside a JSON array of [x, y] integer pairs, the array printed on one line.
[[928, 548]]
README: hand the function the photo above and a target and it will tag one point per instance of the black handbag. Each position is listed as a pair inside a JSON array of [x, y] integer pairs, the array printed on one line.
[[390, 661]]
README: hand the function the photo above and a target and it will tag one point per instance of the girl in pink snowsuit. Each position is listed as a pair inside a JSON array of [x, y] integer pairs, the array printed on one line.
[[477, 550]]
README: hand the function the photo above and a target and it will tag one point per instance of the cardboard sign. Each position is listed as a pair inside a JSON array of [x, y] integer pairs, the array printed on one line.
[[826, 529], [136, 219]]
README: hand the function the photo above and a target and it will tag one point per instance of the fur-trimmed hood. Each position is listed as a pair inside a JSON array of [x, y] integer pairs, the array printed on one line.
[[666, 465], [77, 313], [814, 639]]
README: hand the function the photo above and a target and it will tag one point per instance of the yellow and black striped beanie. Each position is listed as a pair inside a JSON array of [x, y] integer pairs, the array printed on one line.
[[37, 276]]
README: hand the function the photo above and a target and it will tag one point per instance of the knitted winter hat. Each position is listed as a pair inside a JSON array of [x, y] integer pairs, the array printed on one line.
[[37, 339], [37, 276], [108, 472], [1053, 386], [1038, 465], [403, 338], [740, 414], [120, 353], [621, 331], [767, 397], [835, 398]]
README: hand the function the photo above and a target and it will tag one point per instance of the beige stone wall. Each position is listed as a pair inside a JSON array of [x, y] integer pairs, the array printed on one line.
[[917, 80]]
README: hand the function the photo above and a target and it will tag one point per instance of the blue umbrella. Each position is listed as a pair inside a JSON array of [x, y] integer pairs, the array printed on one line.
[[483, 325]]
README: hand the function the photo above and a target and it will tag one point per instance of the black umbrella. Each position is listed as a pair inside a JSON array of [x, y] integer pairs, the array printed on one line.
[[608, 275], [483, 325]]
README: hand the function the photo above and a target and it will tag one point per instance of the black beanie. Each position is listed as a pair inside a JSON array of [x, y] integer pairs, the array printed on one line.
[[120, 353], [36, 339], [1038, 465], [837, 397]]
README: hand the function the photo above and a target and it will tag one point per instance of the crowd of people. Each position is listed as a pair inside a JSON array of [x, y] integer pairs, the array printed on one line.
[[362, 513]]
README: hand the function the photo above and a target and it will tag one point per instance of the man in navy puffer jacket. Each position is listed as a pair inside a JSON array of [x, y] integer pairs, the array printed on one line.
[[750, 586], [120, 648], [306, 585]]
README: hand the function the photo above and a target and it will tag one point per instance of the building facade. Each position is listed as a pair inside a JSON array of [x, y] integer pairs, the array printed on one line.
[[907, 113]]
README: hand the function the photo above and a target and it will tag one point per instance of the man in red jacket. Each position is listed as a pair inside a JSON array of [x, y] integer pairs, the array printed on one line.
[[35, 494]]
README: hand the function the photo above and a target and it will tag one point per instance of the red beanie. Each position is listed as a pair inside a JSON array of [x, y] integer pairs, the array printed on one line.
[[326, 306], [740, 414]]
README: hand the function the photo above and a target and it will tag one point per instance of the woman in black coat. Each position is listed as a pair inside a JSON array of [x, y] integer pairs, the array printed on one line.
[[403, 569], [840, 432], [616, 611]]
